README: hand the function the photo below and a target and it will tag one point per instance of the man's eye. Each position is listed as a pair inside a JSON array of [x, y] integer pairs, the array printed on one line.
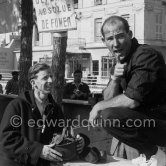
[[122, 36], [45, 78], [111, 38]]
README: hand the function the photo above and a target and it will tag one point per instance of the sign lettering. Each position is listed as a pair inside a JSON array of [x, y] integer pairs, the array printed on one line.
[[54, 15]]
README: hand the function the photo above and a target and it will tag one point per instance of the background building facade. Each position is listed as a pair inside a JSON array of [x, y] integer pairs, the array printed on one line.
[[85, 50]]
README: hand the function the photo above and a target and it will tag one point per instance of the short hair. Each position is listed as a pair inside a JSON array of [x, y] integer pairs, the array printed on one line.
[[77, 71], [112, 19], [15, 73], [36, 68]]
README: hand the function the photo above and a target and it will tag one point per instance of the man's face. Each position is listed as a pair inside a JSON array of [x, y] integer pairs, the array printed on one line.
[[15, 77], [77, 77], [117, 40], [43, 81]]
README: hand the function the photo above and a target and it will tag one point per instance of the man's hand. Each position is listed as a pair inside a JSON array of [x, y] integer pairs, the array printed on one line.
[[80, 143], [94, 114], [119, 70], [73, 96], [81, 94], [50, 154]]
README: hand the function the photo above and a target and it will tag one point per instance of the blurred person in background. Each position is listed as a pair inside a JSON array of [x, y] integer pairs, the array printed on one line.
[[12, 86], [76, 90]]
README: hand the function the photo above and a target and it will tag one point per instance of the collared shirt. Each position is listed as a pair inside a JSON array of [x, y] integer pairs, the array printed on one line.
[[146, 75], [71, 87]]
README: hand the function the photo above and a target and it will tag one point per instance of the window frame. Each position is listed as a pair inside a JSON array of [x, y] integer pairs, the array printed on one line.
[[158, 26], [110, 62], [98, 2], [95, 72], [75, 2], [97, 31]]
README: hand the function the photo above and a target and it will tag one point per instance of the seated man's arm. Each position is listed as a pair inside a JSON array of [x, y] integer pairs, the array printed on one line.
[[113, 87], [111, 90], [87, 92], [84, 92], [119, 101], [68, 93]]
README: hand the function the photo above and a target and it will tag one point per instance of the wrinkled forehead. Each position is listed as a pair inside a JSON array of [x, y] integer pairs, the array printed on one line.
[[113, 27], [44, 72]]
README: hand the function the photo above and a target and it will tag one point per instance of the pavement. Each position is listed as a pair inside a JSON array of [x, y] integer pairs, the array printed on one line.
[[110, 162]]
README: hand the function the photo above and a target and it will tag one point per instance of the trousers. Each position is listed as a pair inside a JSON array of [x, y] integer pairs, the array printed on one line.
[[141, 129]]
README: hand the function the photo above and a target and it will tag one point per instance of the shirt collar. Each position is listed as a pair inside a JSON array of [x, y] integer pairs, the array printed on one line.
[[81, 83], [134, 46], [34, 106]]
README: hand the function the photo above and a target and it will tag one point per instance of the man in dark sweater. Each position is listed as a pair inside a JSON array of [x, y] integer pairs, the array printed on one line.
[[135, 96], [12, 86], [29, 123], [76, 90]]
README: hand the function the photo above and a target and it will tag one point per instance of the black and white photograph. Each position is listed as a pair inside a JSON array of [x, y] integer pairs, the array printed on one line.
[[82, 82]]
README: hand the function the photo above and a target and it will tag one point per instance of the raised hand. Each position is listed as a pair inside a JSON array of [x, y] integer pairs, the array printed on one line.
[[119, 70]]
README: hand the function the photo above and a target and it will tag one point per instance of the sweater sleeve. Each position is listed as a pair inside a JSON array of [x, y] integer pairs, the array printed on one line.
[[13, 144], [147, 65]]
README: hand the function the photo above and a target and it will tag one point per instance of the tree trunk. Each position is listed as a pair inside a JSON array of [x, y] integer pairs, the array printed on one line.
[[58, 65], [25, 61]]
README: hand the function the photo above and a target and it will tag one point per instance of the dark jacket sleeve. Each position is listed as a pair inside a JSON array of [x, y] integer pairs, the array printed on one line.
[[87, 89], [144, 75], [13, 144]]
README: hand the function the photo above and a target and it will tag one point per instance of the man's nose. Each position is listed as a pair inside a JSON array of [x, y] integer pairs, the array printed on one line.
[[50, 79], [116, 42]]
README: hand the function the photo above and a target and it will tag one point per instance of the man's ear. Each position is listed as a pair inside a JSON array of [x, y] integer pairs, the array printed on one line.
[[32, 82], [103, 39], [130, 33]]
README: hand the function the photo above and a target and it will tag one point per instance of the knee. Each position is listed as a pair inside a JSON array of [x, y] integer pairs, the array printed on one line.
[[109, 113]]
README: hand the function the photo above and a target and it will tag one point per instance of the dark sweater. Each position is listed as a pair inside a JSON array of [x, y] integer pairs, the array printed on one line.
[[22, 144]]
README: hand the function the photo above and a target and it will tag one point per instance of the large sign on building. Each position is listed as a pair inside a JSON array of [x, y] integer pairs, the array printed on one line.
[[6, 59], [54, 15]]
